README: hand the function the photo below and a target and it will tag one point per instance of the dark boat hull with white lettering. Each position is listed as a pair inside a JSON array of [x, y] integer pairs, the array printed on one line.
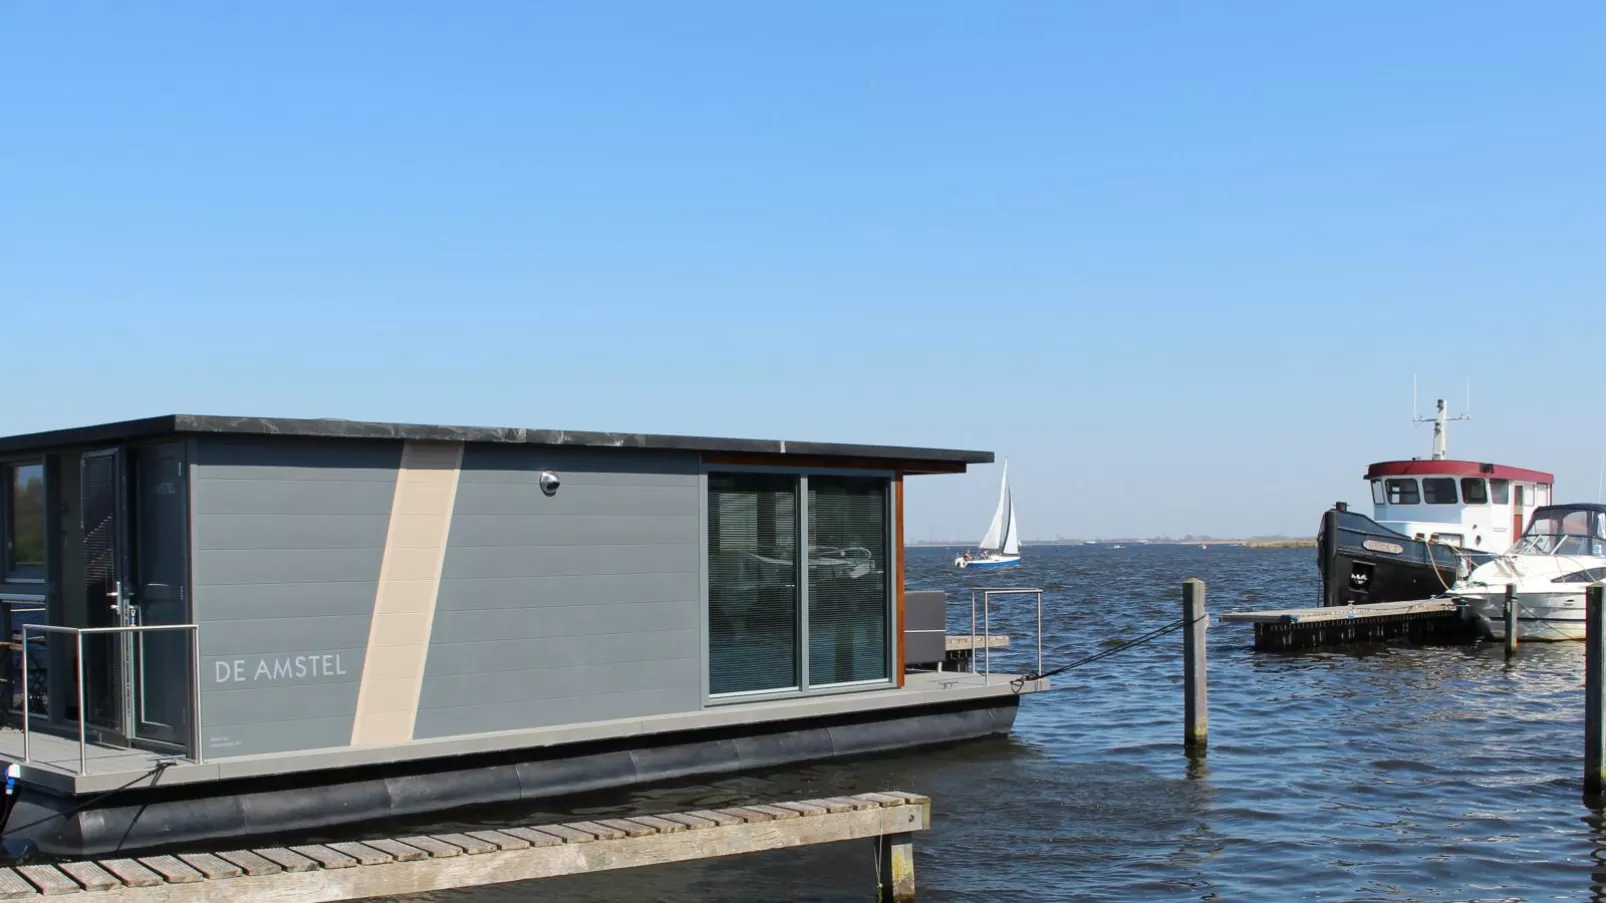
[[1362, 561]]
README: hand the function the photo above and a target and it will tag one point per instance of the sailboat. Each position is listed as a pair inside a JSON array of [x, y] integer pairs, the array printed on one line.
[[1001, 546]]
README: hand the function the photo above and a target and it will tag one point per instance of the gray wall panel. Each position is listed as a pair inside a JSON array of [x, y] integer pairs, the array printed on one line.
[[287, 540], [525, 531], [468, 593], [569, 561], [286, 497], [581, 606], [566, 621]]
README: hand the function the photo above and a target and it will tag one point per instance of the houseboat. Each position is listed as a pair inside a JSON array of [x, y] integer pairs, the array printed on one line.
[[1433, 521], [236, 626]]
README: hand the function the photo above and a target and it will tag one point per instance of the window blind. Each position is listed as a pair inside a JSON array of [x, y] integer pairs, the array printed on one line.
[[752, 582], [848, 579]]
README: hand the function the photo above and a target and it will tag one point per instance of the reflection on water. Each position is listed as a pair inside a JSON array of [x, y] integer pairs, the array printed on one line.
[[1385, 774]]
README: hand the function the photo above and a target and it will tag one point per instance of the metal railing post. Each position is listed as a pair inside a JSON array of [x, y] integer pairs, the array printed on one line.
[[973, 630], [196, 754], [987, 638], [27, 749], [1039, 631], [83, 754]]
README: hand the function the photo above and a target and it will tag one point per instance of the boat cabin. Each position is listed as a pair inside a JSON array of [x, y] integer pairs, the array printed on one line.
[[324, 593], [1578, 529], [1472, 505]]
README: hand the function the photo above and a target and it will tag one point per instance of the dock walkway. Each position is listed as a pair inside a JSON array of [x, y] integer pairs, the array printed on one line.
[[1417, 620], [408, 865]]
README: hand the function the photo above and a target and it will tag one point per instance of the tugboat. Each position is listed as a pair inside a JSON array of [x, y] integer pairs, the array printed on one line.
[[1433, 521]]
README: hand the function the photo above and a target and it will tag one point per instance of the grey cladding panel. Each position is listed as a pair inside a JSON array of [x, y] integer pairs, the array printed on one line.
[[580, 606], [467, 593], [288, 537]]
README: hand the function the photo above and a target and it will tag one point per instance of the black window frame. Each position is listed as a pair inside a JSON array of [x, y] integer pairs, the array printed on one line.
[[1499, 491], [1392, 484], [1480, 485], [1435, 495], [8, 481], [806, 686]]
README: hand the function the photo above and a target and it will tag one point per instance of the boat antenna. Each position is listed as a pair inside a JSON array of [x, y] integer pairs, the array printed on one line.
[[1440, 420]]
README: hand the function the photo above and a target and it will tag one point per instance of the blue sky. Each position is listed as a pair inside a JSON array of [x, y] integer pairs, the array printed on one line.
[[1178, 261]]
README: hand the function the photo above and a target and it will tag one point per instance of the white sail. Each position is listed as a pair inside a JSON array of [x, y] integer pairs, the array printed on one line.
[[999, 528], [1012, 533]]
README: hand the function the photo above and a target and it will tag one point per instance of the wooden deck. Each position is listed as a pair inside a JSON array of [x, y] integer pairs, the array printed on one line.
[[409, 865], [1415, 621]]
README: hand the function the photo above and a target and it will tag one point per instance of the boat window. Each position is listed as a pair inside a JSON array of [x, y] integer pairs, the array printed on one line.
[[1473, 491], [1500, 492], [1439, 490], [1449, 539], [752, 582], [1379, 497], [1558, 531], [23, 531], [1590, 575], [1517, 494], [1403, 492]]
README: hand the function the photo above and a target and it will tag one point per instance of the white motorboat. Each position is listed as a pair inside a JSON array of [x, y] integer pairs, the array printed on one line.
[[1001, 546], [1561, 553]]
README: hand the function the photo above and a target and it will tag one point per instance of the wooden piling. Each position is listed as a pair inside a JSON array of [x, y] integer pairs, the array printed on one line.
[[895, 854], [1511, 620], [1196, 707], [1594, 691]]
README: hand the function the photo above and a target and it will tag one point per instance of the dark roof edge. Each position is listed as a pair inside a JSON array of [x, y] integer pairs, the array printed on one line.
[[358, 429]]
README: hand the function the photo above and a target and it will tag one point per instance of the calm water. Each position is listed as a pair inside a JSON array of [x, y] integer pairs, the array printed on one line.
[[1429, 774]]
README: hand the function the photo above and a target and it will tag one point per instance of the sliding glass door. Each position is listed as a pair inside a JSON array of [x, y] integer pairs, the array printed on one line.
[[774, 626]]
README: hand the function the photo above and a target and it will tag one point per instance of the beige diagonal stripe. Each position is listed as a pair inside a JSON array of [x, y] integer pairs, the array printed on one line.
[[409, 583]]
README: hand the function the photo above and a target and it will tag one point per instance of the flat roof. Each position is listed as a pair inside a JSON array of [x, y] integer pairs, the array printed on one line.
[[935, 460]]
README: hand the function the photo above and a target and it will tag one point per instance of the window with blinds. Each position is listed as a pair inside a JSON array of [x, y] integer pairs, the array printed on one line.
[[752, 583], [848, 592]]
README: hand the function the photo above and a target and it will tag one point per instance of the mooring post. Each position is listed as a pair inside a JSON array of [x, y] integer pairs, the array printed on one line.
[[896, 854], [1594, 690], [1511, 619], [1196, 707]]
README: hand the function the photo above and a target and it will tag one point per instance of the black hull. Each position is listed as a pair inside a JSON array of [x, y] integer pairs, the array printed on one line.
[[1363, 561]]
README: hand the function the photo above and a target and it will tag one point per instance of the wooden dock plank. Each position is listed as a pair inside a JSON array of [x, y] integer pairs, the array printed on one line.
[[854, 803], [659, 824], [364, 854], [325, 857], [500, 840], [803, 808], [596, 829], [569, 833], [90, 875], [50, 880], [718, 817], [470, 845], [963, 642], [830, 805], [691, 822], [397, 850], [630, 828], [131, 873], [776, 812], [1318, 614], [289, 860], [387, 880], [748, 815], [12, 887], [171, 869], [437, 849], [253, 864], [211, 866], [536, 838], [880, 799]]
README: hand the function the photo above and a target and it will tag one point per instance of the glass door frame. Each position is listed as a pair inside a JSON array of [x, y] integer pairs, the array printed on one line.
[[802, 473]]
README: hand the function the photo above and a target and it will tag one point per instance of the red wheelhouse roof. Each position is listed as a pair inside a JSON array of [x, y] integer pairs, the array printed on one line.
[[1447, 468]]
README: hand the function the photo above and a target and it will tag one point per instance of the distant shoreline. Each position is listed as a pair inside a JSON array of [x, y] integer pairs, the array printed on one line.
[[1267, 543]]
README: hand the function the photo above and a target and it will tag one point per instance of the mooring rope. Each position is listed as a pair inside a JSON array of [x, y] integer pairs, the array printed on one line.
[[1020, 682]]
